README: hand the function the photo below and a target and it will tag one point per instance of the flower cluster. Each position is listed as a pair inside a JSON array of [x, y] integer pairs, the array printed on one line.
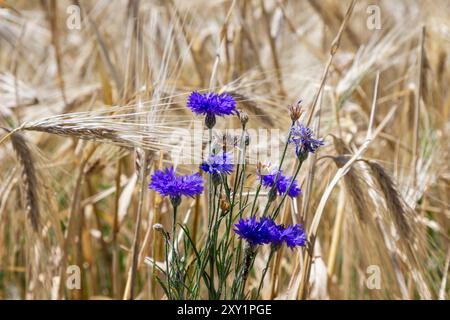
[[303, 139], [211, 105], [282, 183], [167, 183], [266, 231]]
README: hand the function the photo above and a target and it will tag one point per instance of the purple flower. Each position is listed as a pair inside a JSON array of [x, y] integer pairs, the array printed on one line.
[[266, 231], [283, 183], [276, 231], [211, 105], [303, 139], [218, 164], [167, 183], [268, 180], [295, 190], [293, 236], [254, 232]]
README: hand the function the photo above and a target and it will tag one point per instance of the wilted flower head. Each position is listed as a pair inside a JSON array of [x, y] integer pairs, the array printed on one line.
[[211, 105], [224, 205], [254, 232], [221, 163], [167, 183], [263, 168], [303, 139], [282, 183], [295, 111], [243, 117]]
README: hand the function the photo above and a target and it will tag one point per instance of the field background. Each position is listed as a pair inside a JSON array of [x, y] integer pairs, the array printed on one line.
[[93, 106]]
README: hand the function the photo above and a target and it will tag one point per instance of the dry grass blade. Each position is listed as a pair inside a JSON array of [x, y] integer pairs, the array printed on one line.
[[334, 47]]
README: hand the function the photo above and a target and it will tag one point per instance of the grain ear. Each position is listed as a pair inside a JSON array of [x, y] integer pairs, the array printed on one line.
[[29, 179], [394, 201], [356, 188]]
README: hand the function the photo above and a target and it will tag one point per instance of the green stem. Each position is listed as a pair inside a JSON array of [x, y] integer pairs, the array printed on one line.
[[248, 263], [237, 175], [174, 226], [272, 251], [258, 189], [169, 293], [212, 247], [174, 243]]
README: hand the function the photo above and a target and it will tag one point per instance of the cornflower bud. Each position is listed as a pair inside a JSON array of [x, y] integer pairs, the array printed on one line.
[[295, 111]]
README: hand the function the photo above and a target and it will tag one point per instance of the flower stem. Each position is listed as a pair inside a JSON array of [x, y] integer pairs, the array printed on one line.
[[174, 241], [272, 251], [248, 262], [166, 241], [174, 226], [258, 189]]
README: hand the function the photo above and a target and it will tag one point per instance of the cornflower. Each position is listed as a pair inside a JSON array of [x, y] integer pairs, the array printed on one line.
[[166, 183], [303, 139], [211, 105]]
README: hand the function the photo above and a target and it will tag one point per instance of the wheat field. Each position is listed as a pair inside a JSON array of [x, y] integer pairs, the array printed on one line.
[[93, 101]]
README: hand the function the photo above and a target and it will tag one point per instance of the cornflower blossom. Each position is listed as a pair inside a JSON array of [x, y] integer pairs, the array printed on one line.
[[292, 235], [266, 231], [254, 232], [166, 183], [218, 164], [303, 139], [211, 105], [282, 183]]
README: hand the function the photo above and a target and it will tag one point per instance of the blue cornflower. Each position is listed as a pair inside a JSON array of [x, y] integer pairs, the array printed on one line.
[[303, 139], [293, 236], [266, 222], [167, 183], [283, 183], [255, 232], [221, 163], [266, 231], [268, 180], [211, 105], [276, 231]]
